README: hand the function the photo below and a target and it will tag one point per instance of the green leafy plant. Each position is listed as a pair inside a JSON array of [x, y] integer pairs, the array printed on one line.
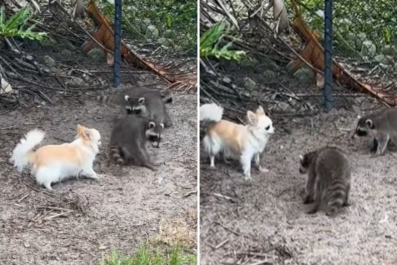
[[210, 43], [16, 25], [147, 255]]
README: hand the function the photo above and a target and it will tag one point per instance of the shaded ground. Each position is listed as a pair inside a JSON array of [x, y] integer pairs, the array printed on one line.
[[82, 219], [265, 223]]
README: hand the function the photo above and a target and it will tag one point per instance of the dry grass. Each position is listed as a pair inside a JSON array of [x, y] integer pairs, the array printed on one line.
[[179, 231]]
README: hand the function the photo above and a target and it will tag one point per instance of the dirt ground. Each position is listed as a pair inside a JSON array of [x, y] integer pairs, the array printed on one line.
[[264, 222], [82, 220]]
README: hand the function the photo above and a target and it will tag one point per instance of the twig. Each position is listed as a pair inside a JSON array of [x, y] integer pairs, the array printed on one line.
[[224, 197], [221, 244]]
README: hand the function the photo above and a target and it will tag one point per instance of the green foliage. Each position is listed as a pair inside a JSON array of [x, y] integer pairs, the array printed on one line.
[[375, 20], [16, 25], [149, 256], [175, 16], [210, 43]]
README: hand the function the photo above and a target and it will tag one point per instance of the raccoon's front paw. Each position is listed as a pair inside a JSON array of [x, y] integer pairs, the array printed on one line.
[[331, 212], [314, 208], [308, 199], [346, 204], [227, 161]]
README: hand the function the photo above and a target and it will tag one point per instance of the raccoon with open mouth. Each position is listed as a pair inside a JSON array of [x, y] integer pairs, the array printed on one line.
[[129, 138], [119, 97], [382, 126]]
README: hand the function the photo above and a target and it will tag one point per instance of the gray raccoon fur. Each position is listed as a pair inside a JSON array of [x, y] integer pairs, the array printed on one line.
[[150, 106], [128, 141], [329, 179], [381, 126], [118, 98]]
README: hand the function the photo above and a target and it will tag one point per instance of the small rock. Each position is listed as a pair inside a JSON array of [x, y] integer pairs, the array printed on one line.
[[66, 53], [169, 34], [96, 54], [360, 38], [368, 48], [384, 59], [145, 24], [165, 42], [48, 42], [227, 80], [283, 106], [152, 32], [269, 75], [249, 62], [26, 245], [138, 24], [48, 61], [249, 83], [389, 50], [75, 82], [304, 73]]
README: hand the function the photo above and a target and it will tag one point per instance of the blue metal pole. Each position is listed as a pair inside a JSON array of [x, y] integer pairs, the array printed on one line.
[[328, 98], [117, 43]]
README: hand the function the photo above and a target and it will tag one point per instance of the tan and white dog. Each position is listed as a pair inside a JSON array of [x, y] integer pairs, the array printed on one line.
[[53, 163], [243, 142]]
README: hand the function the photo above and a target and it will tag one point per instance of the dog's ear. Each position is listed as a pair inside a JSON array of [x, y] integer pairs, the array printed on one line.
[[83, 132], [260, 111], [252, 118], [141, 100], [370, 124]]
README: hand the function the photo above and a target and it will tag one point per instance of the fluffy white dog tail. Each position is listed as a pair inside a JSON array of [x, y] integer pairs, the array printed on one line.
[[211, 112], [21, 156]]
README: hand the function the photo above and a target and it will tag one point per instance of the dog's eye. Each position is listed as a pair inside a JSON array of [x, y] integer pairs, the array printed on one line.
[[267, 128]]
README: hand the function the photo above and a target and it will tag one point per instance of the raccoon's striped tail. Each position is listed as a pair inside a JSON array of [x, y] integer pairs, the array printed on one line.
[[105, 99], [336, 196], [116, 155]]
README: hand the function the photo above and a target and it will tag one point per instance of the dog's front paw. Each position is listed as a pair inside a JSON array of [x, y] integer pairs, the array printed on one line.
[[263, 170], [247, 177]]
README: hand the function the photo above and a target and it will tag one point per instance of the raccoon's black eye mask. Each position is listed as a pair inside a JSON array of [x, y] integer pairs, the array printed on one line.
[[137, 111], [361, 132]]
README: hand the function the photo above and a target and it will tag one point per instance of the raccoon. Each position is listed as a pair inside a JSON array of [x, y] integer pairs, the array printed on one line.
[[119, 97], [382, 126], [129, 139], [150, 106], [329, 179]]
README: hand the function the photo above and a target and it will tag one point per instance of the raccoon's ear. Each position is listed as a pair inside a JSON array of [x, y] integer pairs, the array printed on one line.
[[252, 118], [151, 125], [141, 100], [301, 158], [127, 98], [162, 125], [370, 124]]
